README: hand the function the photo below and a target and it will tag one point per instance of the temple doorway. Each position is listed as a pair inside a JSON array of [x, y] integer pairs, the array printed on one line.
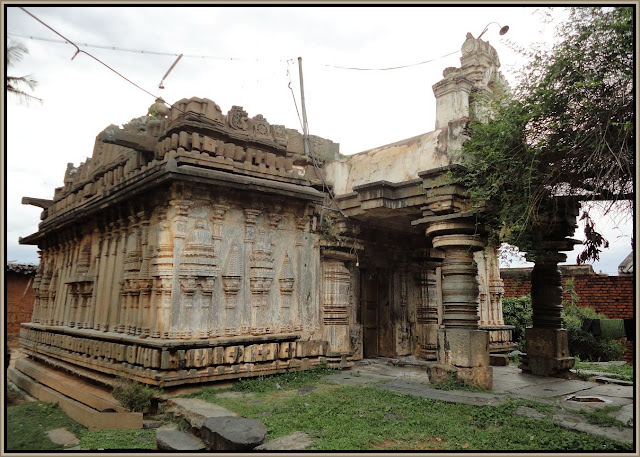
[[376, 313]]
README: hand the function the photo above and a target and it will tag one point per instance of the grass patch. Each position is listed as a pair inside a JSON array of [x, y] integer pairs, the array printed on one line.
[[622, 372], [366, 418], [118, 439], [601, 417], [270, 383], [28, 423]]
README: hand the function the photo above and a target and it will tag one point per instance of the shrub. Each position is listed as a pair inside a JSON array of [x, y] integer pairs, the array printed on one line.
[[584, 344], [517, 312], [133, 395]]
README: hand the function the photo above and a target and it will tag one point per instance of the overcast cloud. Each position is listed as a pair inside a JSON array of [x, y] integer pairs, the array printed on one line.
[[358, 109]]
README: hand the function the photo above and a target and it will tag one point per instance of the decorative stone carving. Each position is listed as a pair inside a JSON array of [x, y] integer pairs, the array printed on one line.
[[261, 127], [279, 134], [260, 277], [237, 118], [336, 285], [286, 281], [232, 277]]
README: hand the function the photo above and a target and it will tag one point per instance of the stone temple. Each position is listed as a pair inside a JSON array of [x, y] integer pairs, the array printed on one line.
[[196, 246]]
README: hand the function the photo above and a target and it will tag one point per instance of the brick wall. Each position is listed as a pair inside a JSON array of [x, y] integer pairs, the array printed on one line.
[[20, 298], [608, 295]]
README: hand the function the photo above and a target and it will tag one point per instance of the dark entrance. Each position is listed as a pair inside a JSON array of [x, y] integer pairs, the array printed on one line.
[[376, 313]]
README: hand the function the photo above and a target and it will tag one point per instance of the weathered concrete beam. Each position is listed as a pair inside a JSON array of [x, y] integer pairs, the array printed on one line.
[[130, 140], [39, 202]]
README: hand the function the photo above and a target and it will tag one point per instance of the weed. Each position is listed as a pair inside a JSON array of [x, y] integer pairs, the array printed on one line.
[[118, 439], [27, 425], [133, 395]]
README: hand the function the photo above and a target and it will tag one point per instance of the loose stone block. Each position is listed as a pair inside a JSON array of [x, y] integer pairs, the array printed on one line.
[[233, 433]]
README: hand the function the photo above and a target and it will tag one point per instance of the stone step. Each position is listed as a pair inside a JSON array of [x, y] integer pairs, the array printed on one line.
[[69, 385], [195, 411], [85, 415]]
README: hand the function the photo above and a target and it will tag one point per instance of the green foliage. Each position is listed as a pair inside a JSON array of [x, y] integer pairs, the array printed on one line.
[[518, 312], [27, 425], [570, 288], [133, 395], [584, 344], [566, 130], [118, 439]]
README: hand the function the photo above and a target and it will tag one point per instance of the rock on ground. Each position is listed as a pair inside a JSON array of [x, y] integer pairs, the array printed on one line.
[[171, 439], [233, 433]]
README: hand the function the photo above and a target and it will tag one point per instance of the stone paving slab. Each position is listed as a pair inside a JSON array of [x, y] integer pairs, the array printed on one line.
[[607, 380], [551, 389], [508, 378], [625, 414], [63, 436], [450, 396], [573, 422], [591, 406], [609, 390], [350, 379]]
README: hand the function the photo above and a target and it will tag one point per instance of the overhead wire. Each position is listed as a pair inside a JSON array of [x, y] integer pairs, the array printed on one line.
[[138, 51], [394, 68]]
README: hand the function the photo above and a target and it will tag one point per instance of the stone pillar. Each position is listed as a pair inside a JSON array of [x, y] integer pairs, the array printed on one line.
[[463, 349], [547, 342], [452, 224]]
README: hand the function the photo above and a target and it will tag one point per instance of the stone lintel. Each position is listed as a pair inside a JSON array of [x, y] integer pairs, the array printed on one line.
[[445, 217], [440, 172]]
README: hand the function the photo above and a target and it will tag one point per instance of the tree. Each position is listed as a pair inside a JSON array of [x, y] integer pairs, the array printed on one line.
[[17, 85], [566, 131]]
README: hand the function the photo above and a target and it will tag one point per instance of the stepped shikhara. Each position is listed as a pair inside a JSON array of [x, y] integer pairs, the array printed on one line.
[[196, 246]]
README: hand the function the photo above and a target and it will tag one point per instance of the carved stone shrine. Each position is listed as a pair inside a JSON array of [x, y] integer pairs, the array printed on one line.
[[196, 245]]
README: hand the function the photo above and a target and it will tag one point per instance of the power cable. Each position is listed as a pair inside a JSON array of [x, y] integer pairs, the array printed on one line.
[[78, 51], [138, 51], [292, 94], [393, 68]]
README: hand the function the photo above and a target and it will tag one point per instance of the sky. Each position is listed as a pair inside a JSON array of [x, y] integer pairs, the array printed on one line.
[[246, 56]]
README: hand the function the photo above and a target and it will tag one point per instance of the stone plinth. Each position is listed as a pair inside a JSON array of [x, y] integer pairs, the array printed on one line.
[[547, 352]]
